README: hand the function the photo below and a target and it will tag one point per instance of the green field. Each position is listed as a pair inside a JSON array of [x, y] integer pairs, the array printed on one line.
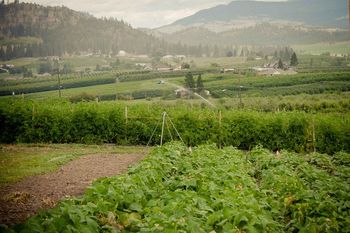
[[241, 188], [266, 93]]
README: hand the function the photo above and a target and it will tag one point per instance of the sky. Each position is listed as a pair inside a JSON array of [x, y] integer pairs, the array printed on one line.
[[138, 13]]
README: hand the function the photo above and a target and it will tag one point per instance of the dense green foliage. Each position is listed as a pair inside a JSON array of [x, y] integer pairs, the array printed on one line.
[[211, 190], [62, 122]]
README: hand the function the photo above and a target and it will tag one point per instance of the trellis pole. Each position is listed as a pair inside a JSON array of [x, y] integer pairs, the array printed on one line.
[[163, 125]]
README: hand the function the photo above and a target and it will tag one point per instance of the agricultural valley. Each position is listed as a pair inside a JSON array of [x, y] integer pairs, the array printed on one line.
[[231, 118]]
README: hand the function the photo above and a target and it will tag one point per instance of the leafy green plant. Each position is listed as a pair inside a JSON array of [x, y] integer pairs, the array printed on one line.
[[207, 190]]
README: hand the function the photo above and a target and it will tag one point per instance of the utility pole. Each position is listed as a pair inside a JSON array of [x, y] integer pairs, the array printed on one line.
[[349, 14], [116, 87], [58, 77], [59, 82], [239, 91]]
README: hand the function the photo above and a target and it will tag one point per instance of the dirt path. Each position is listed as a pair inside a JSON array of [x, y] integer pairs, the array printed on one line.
[[26, 198]]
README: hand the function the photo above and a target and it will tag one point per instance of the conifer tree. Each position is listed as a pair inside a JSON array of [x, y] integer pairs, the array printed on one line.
[[200, 86], [280, 64], [189, 81], [294, 60]]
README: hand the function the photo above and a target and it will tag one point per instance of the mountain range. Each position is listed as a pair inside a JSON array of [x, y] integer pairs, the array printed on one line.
[[317, 13], [258, 22]]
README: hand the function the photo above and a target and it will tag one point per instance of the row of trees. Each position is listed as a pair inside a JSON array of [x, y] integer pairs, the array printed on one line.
[[292, 62]]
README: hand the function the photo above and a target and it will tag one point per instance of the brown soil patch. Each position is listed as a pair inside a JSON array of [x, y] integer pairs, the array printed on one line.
[[26, 198]]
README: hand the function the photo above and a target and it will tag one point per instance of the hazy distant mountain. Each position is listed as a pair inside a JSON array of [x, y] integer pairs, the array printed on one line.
[[320, 13], [252, 22]]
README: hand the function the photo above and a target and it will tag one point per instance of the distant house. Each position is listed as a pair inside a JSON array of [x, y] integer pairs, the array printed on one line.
[[181, 93], [229, 70], [180, 56], [52, 58], [8, 66], [121, 53], [266, 71], [144, 66], [168, 57], [163, 68], [2, 70], [142, 56], [178, 68]]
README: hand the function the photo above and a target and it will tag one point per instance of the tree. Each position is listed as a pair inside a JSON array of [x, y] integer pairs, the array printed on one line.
[[185, 66], [27, 72], [200, 86], [280, 64], [189, 81], [2, 54], [67, 68], [229, 54], [311, 62], [45, 68], [294, 60]]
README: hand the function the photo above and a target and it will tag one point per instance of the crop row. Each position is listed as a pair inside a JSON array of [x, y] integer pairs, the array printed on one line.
[[208, 190], [112, 123]]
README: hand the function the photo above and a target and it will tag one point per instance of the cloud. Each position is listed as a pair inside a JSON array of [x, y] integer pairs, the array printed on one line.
[[142, 13]]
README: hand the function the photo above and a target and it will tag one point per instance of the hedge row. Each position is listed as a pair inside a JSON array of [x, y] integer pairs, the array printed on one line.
[[109, 122]]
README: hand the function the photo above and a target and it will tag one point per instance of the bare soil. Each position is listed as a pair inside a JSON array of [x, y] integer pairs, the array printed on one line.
[[26, 198]]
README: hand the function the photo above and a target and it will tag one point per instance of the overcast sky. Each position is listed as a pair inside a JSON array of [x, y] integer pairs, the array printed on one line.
[[139, 13]]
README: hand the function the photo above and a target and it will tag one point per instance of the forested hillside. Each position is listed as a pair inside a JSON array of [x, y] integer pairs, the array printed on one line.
[[31, 30]]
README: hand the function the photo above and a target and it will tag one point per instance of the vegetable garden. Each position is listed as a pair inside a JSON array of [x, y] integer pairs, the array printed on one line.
[[211, 190]]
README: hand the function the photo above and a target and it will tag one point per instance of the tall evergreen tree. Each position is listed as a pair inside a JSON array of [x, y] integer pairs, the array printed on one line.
[[280, 64], [294, 60], [189, 81], [2, 54], [200, 85]]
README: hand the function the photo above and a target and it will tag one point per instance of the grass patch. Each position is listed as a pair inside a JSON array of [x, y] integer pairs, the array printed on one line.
[[23, 160]]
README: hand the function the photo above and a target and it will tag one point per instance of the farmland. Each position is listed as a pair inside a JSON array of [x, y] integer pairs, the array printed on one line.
[[174, 190], [228, 181], [23, 160]]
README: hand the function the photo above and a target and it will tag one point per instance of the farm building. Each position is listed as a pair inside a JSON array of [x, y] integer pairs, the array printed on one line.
[[181, 93]]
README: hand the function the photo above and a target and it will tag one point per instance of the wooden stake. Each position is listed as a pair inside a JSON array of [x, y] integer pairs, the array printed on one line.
[[313, 134], [220, 131], [163, 125], [126, 123]]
